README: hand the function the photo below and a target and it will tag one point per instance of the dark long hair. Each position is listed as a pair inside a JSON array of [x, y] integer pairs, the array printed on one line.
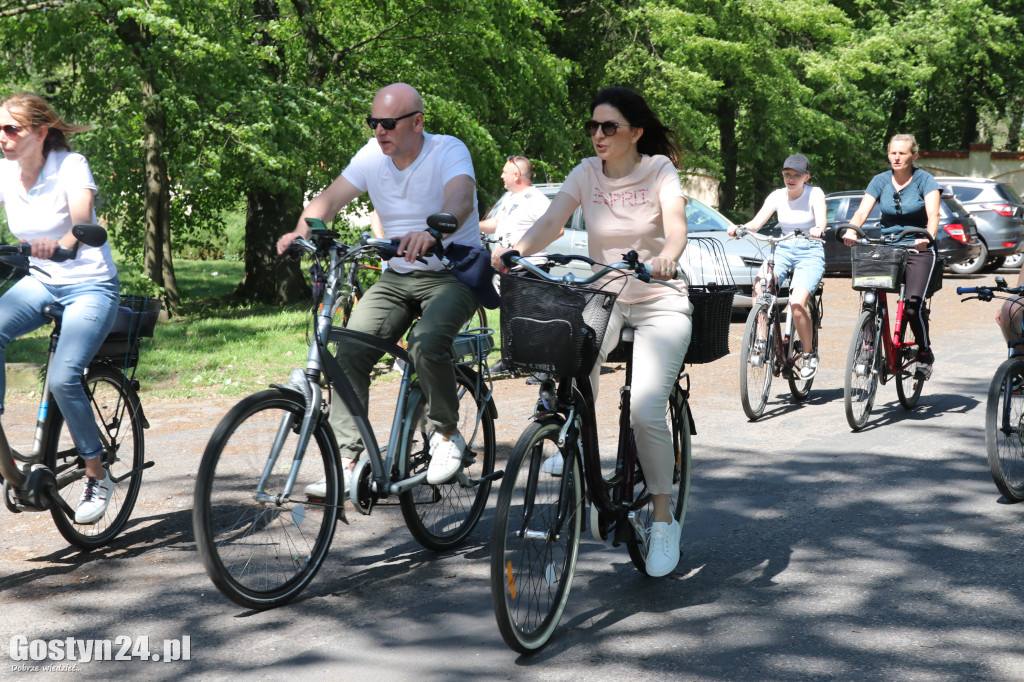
[[657, 137]]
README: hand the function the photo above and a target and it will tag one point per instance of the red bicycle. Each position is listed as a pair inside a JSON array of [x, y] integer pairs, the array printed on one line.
[[877, 354]]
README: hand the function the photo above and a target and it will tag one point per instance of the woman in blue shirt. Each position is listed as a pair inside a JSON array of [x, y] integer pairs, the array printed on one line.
[[907, 197]]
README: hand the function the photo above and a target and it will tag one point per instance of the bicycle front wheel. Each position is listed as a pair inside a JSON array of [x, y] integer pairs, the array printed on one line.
[[1004, 429], [118, 414], [862, 362], [441, 517], [757, 357], [261, 547], [536, 538], [799, 387], [640, 521], [908, 384]]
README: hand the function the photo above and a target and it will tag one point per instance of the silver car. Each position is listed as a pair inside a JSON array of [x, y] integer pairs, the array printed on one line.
[[742, 257]]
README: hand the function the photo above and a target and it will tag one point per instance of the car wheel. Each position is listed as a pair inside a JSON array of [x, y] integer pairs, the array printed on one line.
[[971, 266], [1013, 261]]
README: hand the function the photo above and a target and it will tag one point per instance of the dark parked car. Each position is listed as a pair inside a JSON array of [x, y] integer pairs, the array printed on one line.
[[997, 209], [958, 235]]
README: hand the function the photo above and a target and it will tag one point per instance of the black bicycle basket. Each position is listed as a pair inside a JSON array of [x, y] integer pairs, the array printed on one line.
[[551, 327], [877, 267], [136, 319]]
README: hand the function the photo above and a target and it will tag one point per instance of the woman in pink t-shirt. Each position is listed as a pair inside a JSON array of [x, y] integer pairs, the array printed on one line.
[[632, 199]]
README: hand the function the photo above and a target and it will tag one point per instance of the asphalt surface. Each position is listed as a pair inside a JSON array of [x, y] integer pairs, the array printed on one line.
[[810, 553]]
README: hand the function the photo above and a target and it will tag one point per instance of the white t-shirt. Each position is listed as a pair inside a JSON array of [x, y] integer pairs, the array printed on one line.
[[517, 212], [404, 198], [796, 214], [43, 212]]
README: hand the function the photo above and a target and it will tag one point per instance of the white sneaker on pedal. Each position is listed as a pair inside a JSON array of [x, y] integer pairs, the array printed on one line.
[[662, 548], [319, 489], [553, 464], [94, 500], [810, 366], [446, 452]]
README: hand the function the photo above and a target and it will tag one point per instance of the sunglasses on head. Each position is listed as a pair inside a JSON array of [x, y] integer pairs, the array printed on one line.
[[609, 128], [387, 123], [896, 199], [11, 130]]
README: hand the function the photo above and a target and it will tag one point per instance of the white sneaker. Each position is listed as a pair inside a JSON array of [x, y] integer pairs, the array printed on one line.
[[662, 548], [319, 489], [446, 454], [94, 500], [810, 366], [553, 464]]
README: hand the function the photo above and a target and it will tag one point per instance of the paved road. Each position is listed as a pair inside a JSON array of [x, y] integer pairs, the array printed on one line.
[[811, 553]]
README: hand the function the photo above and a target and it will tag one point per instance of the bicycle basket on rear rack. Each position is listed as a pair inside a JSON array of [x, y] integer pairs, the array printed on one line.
[[711, 292], [551, 327], [136, 319]]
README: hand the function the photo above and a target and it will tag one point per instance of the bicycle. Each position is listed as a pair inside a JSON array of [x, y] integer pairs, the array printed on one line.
[[50, 476], [876, 354], [539, 516], [1004, 411], [262, 539], [769, 350]]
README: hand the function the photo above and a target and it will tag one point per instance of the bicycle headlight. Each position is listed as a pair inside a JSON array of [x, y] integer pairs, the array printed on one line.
[[869, 298]]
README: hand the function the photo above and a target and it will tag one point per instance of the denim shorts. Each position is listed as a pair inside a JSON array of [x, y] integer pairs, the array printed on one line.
[[802, 258]]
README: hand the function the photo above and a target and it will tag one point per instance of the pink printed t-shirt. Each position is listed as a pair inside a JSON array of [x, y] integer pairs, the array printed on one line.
[[623, 214]]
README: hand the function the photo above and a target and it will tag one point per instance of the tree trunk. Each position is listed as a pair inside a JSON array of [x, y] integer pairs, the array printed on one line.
[[1016, 112], [269, 215], [158, 260], [726, 115]]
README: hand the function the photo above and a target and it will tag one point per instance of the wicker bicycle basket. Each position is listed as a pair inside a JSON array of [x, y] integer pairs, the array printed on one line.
[[551, 327], [712, 312], [136, 319]]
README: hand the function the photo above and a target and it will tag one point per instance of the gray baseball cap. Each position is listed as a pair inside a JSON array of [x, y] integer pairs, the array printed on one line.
[[797, 162]]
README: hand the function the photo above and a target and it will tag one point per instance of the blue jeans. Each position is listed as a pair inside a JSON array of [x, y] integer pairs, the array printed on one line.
[[89, 312], [803, 261]]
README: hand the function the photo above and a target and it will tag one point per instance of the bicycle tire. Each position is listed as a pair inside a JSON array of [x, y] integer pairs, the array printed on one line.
[[119, 419], [862, 361], [756, 369], [680, 428], [261, 554], [1004, 426], [441, 517], [801, 388], [532, 567], [908, 384]]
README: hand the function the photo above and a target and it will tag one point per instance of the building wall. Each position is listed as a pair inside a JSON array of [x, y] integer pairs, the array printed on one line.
[[979, 162]]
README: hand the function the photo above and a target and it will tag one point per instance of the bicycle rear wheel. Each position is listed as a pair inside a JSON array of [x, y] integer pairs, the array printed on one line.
[[533, 558], [261, 548], [757, 360], [119, 419], [680, 428], [801, 388], [1004, 429], [441, 517], [908, 384], [862, 363]]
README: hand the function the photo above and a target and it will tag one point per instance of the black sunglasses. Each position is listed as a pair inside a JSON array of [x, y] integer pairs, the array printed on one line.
[[12, 130], [896, 199], [609, 128], [387, 123]]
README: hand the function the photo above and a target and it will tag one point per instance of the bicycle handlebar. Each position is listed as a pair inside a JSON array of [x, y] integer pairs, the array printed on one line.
[[744, 232], [88, 234], [631, 265], [885, 239]]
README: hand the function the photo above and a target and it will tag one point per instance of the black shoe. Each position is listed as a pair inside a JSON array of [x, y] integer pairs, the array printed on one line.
[[498, 367], [537, 379], [925, 362]]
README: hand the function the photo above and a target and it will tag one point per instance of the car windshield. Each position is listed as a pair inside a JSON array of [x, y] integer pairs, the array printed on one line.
[[702, 218]]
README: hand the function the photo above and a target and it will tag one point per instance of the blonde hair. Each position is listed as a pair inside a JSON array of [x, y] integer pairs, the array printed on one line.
[[34, 111], [905, 137]]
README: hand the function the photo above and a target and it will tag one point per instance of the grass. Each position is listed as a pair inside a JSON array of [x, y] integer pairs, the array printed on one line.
[[212, 348]]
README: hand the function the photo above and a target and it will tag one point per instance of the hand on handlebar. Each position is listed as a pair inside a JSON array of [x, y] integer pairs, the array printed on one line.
[[663, 268], [496, 255], [416, 245], [44, 248], [850, 237], [286, 240]]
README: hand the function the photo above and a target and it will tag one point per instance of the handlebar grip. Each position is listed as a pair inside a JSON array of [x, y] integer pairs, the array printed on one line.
[[960, 291], [506, 258]]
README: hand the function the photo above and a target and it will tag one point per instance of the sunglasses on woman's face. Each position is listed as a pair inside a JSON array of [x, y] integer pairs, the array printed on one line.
[[609, 128], [11, 130]]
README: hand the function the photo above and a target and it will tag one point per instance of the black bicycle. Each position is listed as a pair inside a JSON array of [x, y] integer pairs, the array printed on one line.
[[49, 477], [556, 325], [1004, 412]]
